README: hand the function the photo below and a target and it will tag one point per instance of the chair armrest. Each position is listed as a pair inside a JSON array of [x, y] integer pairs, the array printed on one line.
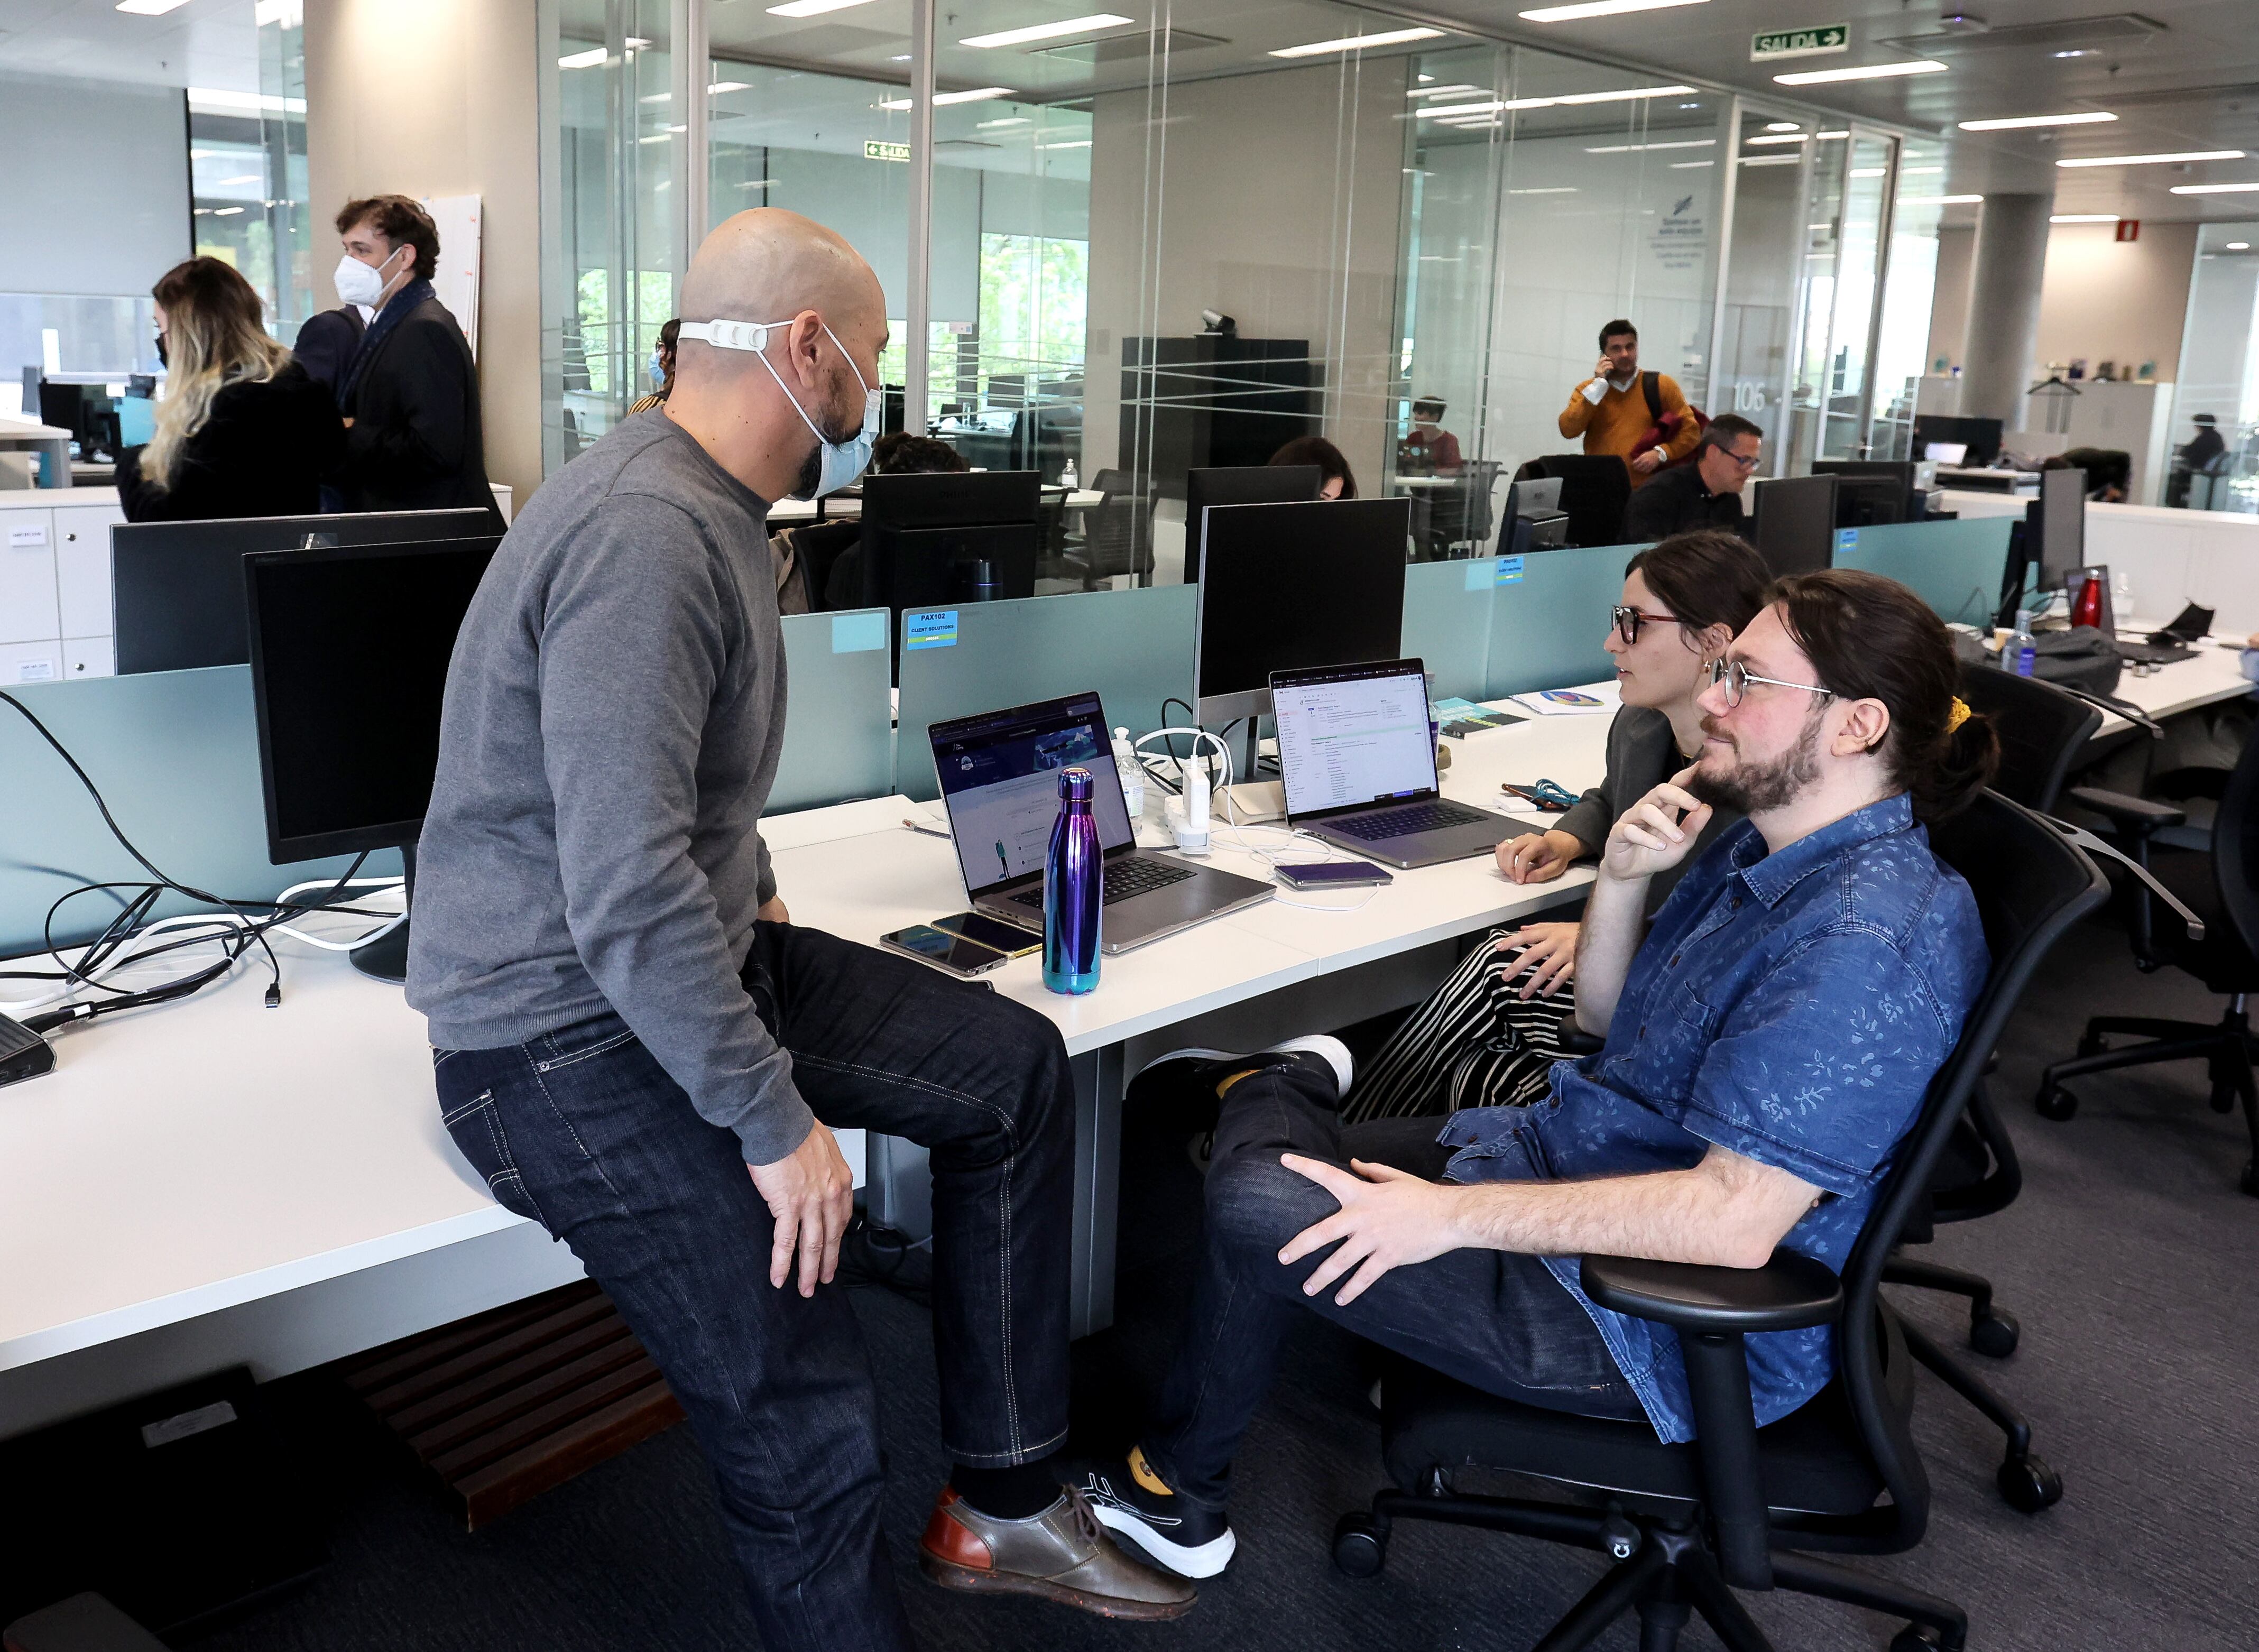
[[2136, 814], [1573, 1040], [1786, 1294]]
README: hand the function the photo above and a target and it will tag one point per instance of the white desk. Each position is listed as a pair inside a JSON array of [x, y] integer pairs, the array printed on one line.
[[789, 511]]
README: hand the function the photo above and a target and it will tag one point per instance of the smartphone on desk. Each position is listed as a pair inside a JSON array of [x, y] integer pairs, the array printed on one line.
[[1330, 874], [951, 954], [1008, 938]]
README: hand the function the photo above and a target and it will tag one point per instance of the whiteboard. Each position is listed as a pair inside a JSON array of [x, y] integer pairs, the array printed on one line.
[[456, 281]]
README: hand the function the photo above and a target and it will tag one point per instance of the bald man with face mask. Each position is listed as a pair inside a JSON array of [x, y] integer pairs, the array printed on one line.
[[636, 1047]]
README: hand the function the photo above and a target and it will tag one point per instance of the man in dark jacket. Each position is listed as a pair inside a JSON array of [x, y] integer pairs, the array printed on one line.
[[327, 343], [410, 397], [1705, 494]]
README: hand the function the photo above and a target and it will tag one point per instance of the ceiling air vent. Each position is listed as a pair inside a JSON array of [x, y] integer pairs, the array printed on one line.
[[2121, 30]]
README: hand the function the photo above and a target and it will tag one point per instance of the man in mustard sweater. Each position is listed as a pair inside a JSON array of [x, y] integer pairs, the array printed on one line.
[[1621, 410]]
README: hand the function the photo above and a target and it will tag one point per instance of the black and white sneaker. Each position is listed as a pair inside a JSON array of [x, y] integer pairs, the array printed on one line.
[[1320, 1051], [1192, 1543]]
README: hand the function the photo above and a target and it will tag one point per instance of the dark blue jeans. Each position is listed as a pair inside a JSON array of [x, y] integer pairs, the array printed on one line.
[[581, 1131], [1495, 1320]]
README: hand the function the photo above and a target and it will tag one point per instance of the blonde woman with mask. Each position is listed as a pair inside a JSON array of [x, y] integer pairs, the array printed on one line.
[[241, 430]]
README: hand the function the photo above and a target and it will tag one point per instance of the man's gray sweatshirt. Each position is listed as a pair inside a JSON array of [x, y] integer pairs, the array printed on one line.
[[614, 708]]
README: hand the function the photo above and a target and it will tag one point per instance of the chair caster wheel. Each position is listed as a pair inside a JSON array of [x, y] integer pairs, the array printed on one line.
[[2093, 1044], [2028, 1484], [1994, 1335], [1360, 1545], [2055, 1103]]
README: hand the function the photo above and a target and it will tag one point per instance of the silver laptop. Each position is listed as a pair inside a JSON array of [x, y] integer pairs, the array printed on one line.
[[1356, 754], [1539, 496], [999, 774]]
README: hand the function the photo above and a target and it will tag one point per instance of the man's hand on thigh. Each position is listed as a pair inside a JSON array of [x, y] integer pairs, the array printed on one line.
[[811, 1193], [1387, 1219]]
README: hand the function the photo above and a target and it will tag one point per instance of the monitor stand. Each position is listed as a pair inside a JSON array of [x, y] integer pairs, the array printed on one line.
[[386, 957]]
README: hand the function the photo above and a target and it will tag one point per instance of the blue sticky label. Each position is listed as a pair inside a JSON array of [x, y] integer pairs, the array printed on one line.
[[1509, 571], [1846, 539], [858, 633], [935, 627]]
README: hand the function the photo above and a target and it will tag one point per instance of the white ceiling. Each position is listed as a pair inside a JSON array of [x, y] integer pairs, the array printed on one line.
[[211, 43]]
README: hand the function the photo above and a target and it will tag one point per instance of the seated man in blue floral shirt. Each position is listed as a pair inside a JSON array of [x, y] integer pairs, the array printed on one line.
[[1770, 1039]]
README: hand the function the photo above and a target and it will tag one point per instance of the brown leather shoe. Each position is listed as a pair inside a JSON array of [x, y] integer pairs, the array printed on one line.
[[1062, 1554]]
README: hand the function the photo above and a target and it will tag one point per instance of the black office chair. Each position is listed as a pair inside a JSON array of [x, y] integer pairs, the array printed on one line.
[[1744, 1507], [1594, 490], [2220, 890], [1112, 544], [1477, 514]]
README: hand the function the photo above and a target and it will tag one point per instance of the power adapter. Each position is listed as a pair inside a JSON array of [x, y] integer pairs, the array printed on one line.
[[24, 1054]]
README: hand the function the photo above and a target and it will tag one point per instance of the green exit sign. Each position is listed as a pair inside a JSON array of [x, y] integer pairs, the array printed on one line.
[[873, 150], [1833, 37]]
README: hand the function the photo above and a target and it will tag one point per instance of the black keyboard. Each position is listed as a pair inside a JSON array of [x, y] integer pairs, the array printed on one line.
[[1413, 817], [1122, 878]]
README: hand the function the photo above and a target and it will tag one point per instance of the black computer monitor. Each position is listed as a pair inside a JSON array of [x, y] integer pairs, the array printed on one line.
[[1980, 438], [946, 537], [1241, 485], [1289, 586], [1866, 504], [88, 411], [1796, 525], [176, 587], [349, 651], [2054, 535]]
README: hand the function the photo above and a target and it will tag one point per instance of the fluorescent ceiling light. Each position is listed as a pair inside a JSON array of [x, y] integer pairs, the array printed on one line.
[[1627, 149], [2214, 189], [1440, 92], [590, 58], [720, 87], [1624, 97], [2153, 161], [1938, 200], [1777, 138], [1825, 136], [229, 183], [1009, 120], [1554, 191], [254, 102], [1047, 30], [1072, 143], [1868, 172], [2017, 123], [1600, 9], [1359, 42], [1920, 172], [1768, 161], [1687, 166], [150, 8], [2084, 217], [2238, 246], [811, 8], [223, 212], [975, 96], [1870, 72], [1438, 111], [1780, 125]]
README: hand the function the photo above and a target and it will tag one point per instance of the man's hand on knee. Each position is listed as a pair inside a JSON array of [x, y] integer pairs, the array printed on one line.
[[1387, 1219], [811, 1193]]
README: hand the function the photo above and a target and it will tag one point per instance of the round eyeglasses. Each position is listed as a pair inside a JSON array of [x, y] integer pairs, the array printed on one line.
[[1737, 677], [1628, 619]]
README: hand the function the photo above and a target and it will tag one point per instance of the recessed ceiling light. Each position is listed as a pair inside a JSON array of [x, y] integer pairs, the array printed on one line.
[[1600, 9], [1359, 42], [150, 8], [1825, 136], [812, 8], [2015, 123], [2078, 51], [1440, 92], [1047, 30], [2084, 217], [590, 58], [2153, 161], [2214, 189], [1780, 125], [1437, 112], [1627, 94], [1685, 166], [223, 212], [1554, 191], [979, 96], [1868, 172], [1919, 172], [1870, 72], [1778, 138], [2238, 246]]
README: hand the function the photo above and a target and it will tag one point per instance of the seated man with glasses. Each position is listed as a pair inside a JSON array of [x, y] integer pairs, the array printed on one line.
[[1770, 1034], [1705, 494]]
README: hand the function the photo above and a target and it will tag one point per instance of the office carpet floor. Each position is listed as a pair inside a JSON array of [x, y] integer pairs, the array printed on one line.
[[2130, 1259]]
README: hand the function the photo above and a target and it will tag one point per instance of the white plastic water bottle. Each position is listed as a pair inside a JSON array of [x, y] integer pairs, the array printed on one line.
[[1068, 480], [1132, 773]]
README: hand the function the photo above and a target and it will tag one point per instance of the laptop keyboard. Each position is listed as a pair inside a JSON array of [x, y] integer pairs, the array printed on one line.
[[1122, 879], [1413, 817]]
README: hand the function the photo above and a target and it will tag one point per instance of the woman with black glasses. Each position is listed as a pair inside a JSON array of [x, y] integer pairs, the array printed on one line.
[[1487, 1037]]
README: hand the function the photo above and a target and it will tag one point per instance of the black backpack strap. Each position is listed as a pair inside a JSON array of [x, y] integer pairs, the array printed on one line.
[[1647, 384]]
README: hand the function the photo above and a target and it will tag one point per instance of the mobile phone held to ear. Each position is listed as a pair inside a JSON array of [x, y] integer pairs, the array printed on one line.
[[951, 954], [1330, 874]]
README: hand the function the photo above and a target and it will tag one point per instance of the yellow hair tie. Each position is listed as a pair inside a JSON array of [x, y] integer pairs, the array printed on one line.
[[1958, 715]]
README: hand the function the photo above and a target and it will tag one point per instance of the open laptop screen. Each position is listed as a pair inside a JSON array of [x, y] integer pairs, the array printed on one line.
[[999, 774], [1353, 737]]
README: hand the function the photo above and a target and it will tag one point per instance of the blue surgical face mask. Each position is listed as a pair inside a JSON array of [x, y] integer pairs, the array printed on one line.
[[841, 462], [658, 372]]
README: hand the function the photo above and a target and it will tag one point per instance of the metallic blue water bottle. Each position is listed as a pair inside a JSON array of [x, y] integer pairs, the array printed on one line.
[[1073, 874]]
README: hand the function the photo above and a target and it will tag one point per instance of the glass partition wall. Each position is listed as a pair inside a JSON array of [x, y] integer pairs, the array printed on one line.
[[1185, 238]]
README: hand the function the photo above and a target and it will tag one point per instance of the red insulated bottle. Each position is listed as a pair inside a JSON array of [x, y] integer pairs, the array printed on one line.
[[2087, 610]]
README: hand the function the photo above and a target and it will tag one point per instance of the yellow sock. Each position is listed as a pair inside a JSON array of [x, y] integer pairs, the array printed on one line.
[[1143, 1472], [1234, 1079]]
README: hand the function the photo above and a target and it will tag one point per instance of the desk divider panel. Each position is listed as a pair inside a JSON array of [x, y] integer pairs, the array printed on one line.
[[1550, 616], [839, 716], [175, 754], [1447, 620], [1135, 647], [1954, 566]]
